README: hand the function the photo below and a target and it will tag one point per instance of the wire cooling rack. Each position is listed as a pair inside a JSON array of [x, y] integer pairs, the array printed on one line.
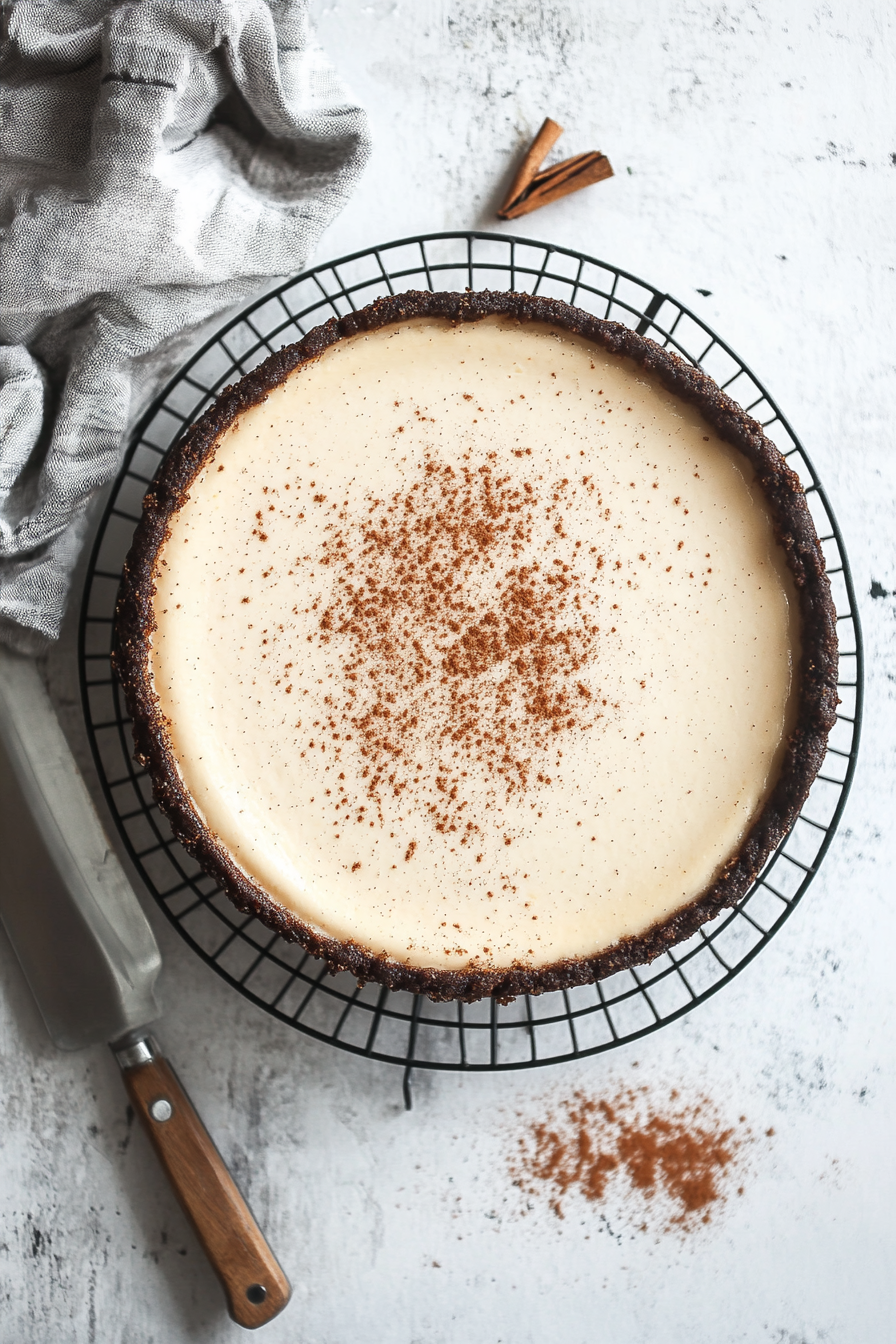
[[282, 978]]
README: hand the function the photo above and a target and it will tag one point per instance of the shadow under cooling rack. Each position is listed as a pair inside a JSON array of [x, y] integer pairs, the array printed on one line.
[[404, 1028]]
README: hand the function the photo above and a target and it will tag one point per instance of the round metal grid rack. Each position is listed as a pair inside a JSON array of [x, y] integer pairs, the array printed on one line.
[[404, 1028]]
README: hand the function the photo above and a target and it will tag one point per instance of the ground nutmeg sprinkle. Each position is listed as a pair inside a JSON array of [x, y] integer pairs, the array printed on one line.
[[457, 660]]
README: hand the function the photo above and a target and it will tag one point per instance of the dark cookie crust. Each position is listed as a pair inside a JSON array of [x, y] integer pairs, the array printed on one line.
[[794, 530]]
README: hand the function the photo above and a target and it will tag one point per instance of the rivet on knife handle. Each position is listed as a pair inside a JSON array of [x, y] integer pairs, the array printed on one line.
[[254, 1284]]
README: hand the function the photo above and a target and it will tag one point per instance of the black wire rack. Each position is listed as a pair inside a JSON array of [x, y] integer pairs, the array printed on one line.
[[399, 1027]]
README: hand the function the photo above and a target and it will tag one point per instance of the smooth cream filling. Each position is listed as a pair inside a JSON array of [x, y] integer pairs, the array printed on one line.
[[612, 824]]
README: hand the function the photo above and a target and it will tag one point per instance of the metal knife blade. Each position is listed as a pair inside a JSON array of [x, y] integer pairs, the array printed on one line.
[[91, 960], [85, 945]]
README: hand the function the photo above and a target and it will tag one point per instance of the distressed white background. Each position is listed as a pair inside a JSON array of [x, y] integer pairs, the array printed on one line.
[[755, 153]]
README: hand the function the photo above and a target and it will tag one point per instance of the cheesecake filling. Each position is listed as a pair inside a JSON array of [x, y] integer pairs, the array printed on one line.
[[475, 646]]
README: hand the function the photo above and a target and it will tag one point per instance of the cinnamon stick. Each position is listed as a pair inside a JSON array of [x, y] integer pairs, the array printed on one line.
[[531, 188], [564, 178], [538, 151]]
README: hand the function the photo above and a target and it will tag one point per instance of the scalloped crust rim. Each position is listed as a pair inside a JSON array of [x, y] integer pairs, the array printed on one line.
[[794, 531]]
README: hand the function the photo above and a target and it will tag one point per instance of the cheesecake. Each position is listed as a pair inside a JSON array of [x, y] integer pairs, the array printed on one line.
[[479, 645]]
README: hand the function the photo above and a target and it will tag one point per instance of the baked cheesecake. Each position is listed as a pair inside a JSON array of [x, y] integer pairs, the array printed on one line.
[[481, 646]]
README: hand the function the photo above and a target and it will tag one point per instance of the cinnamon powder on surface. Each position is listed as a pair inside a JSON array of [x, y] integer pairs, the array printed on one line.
[[671, 1162]]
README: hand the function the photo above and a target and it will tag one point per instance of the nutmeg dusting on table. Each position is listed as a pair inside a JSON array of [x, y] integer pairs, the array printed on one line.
[[680, 1154]]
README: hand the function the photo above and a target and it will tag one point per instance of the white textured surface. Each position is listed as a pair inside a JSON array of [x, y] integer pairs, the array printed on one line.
[[761, 144]]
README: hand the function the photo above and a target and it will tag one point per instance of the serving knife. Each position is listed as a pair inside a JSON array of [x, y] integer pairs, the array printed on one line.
[[91, 960]]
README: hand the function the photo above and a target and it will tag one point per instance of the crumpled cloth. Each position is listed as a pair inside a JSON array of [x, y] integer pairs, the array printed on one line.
[[160, 162]]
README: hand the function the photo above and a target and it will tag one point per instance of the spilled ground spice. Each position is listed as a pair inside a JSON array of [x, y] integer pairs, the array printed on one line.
[[670, 1161], [461, 667]]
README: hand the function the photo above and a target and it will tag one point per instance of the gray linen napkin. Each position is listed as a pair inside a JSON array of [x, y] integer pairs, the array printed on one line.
[[161, 161]]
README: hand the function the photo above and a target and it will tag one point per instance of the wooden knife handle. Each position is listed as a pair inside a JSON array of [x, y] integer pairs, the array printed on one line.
[[254, 1284]]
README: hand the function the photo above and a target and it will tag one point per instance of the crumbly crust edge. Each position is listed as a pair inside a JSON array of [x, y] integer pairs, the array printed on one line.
[[794, 530]]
